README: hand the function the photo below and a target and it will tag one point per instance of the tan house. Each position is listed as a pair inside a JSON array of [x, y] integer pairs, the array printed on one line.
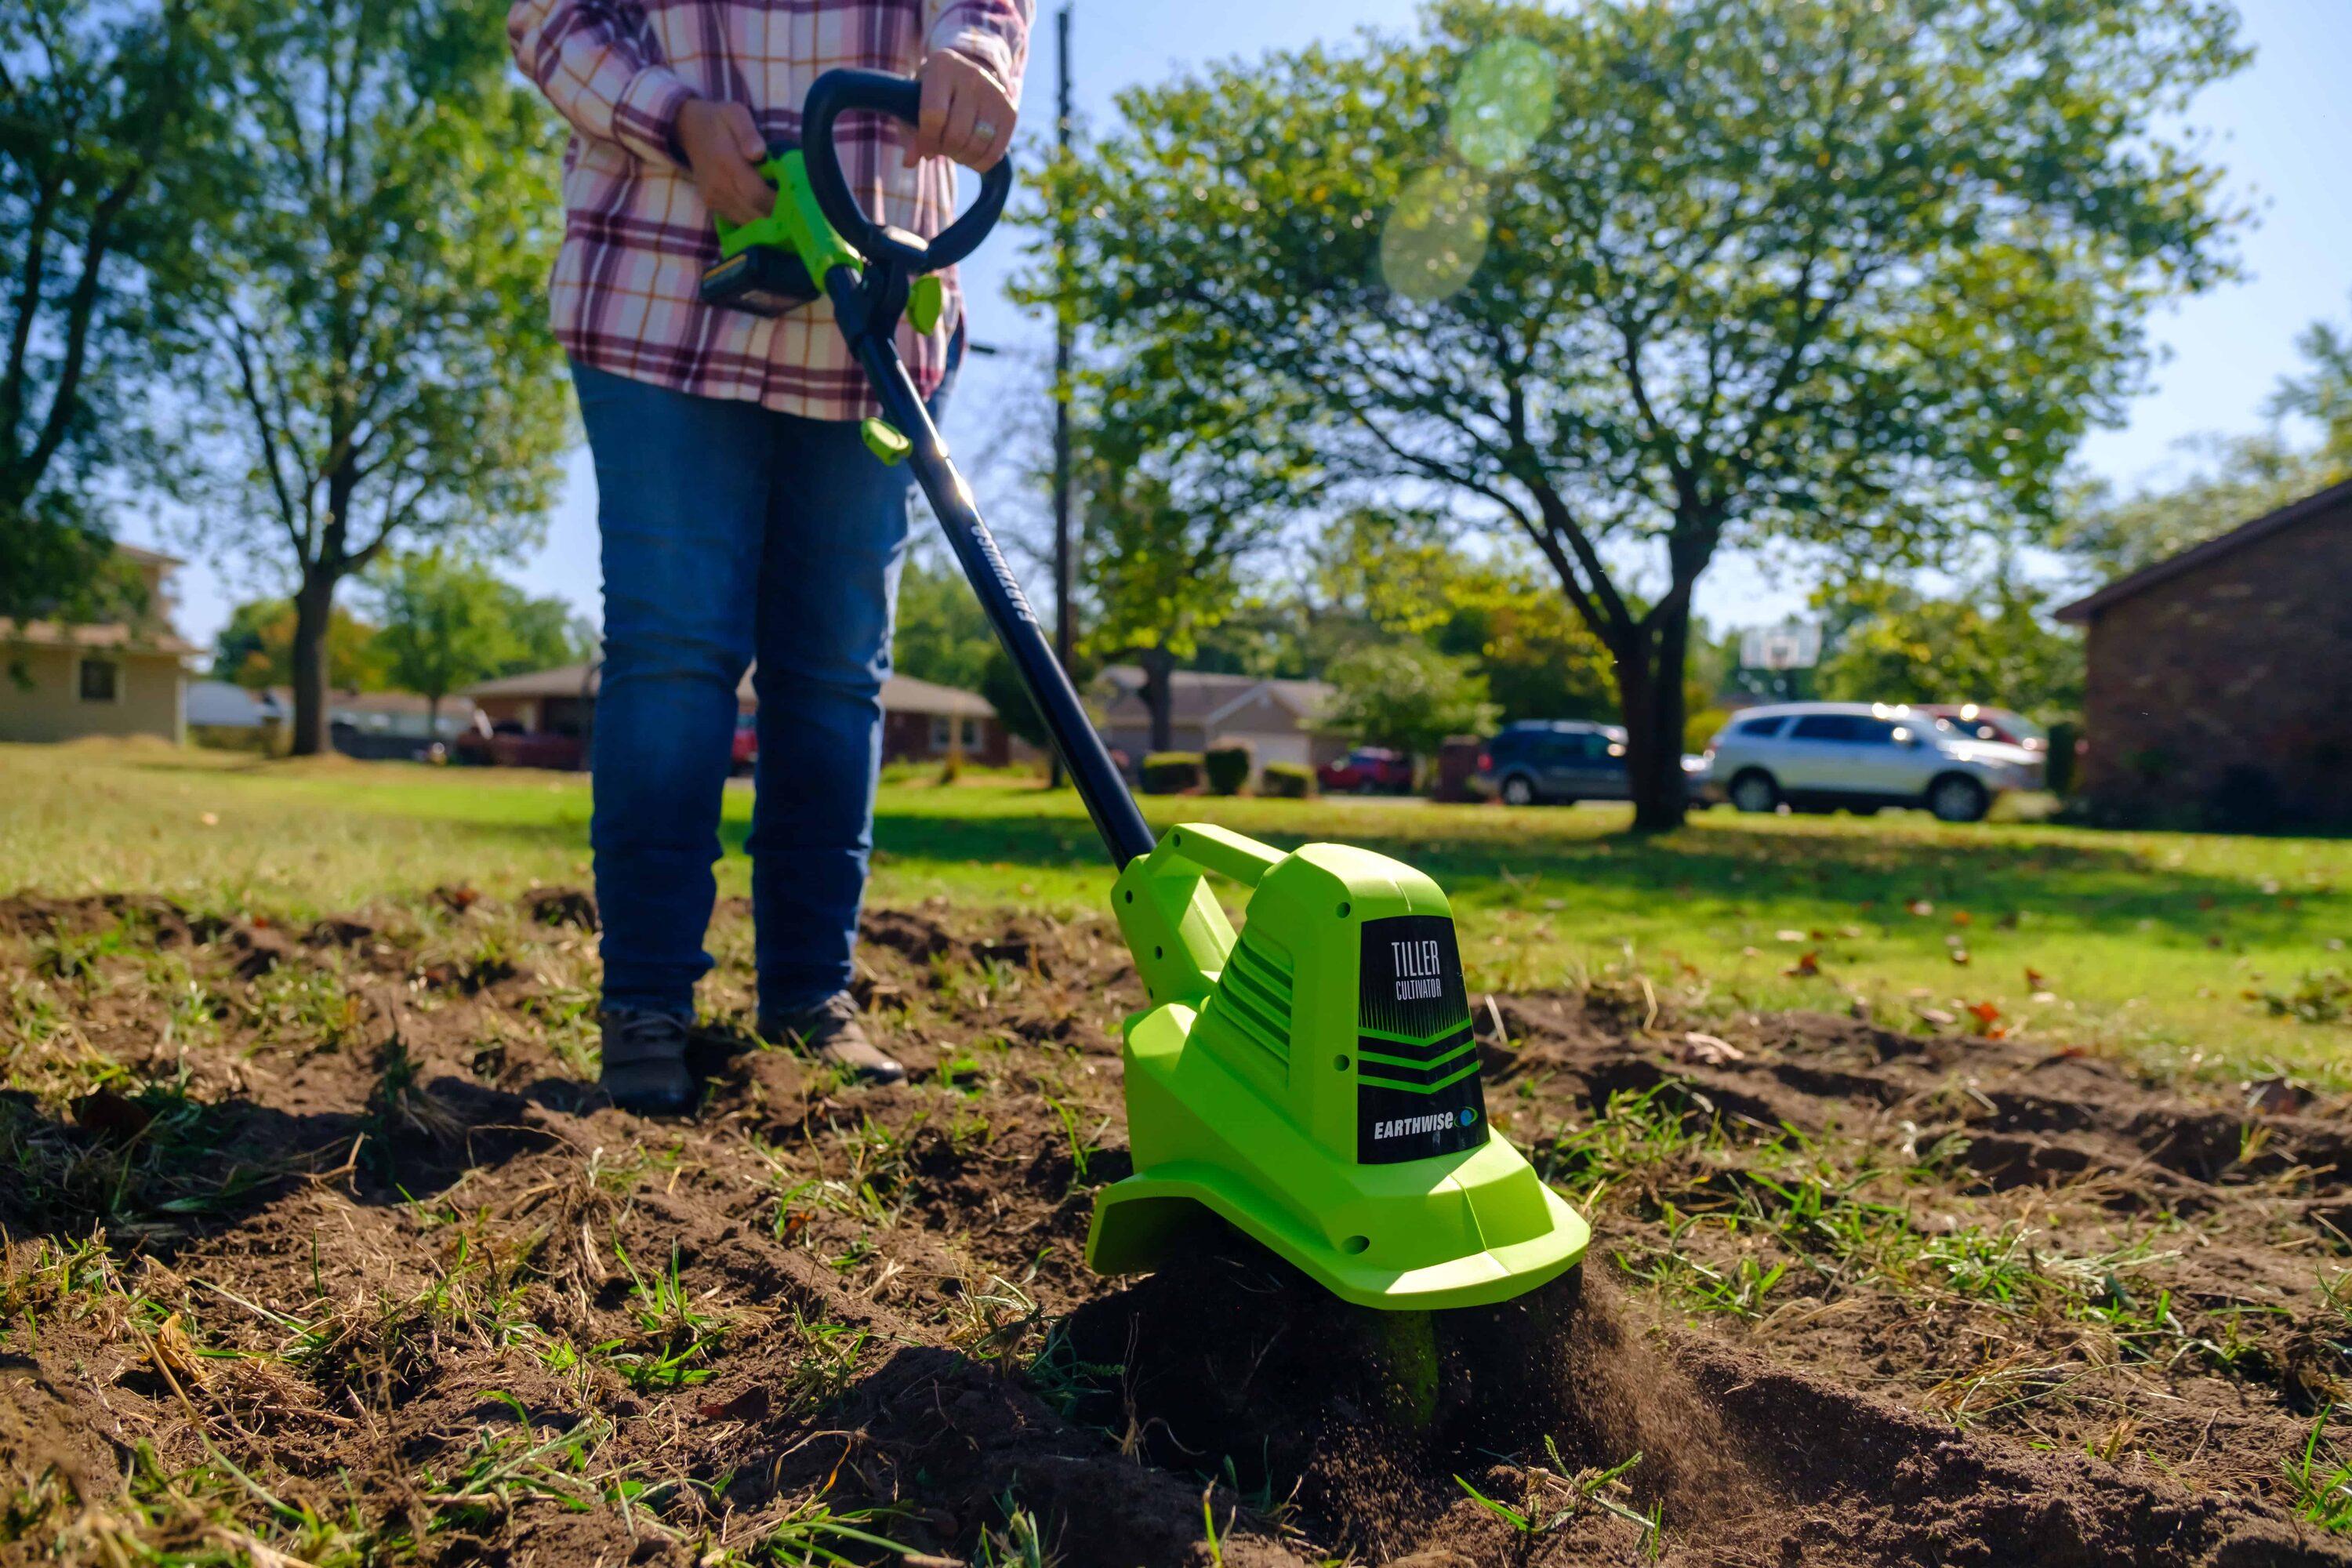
[[1279, 719], [60, 681], [543, 718]]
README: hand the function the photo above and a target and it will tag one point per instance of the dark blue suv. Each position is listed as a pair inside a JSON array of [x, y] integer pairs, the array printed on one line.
[[1554, 761]]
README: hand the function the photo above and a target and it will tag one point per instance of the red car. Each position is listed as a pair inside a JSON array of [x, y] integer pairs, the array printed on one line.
[[1980, 724], [1367, 769]]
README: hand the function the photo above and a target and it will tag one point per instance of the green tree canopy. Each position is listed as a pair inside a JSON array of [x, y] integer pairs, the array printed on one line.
[[101, 167], [1409, 696], [1991, 643], [448, 622], [942, 633], [364, 340], [2236, 478], [1639, 279], [255, 649]]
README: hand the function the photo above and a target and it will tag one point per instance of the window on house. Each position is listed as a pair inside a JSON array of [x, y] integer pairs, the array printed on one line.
[[940, 732], [101, 680], [972, 734]]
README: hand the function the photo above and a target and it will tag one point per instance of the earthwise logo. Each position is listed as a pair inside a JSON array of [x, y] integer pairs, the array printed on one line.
[[1417, 1126]]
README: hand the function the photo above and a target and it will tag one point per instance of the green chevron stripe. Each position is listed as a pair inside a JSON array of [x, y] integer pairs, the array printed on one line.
[[1446, 1082]]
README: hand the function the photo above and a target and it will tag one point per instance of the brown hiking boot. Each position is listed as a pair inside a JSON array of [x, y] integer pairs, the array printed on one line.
[[645, 1065], [832, 1032]]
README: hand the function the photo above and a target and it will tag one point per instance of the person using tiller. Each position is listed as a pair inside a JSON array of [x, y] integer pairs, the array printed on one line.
[[743, 519]]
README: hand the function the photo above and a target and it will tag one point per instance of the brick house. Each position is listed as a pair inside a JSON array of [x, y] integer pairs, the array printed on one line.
[[542, 718], [2220, 684]]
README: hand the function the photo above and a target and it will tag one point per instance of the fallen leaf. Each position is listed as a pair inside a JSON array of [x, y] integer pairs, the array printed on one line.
[[210, 819], [1985, 1014], [2273, 1097], [173, 1355], [1961, 917], [751, 1404], [1921, 907], [1808, 964], [1936, 1015], [2033, 979], [1790, 935], [1960, 955], [1711, 1050]]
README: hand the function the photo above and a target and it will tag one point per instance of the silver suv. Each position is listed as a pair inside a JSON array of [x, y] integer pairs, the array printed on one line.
[[1820, 756]]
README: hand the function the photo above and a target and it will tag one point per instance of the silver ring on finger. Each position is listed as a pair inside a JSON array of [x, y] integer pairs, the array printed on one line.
[[984, 130]]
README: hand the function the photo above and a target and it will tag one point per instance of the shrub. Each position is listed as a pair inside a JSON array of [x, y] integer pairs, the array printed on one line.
[[1287, 780], [1228, 765], [1172, 773], [2058, 763]]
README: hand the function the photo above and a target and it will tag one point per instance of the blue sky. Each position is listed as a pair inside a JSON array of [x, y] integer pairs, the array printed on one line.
[[2282, 129]]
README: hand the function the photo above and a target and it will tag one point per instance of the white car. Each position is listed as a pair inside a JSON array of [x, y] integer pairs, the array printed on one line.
[[1860, 756]]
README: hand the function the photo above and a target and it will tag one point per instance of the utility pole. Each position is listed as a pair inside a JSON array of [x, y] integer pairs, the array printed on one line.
[[1065, 616]]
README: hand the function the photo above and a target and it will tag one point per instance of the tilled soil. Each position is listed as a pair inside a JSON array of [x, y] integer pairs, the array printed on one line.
[[319, 1250]]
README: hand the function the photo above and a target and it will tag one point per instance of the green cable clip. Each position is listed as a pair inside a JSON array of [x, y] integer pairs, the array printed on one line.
[[926, 302], [884, 440]]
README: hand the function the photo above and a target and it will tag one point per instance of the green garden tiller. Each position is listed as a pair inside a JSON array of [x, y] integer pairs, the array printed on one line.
[[1314, 1081]]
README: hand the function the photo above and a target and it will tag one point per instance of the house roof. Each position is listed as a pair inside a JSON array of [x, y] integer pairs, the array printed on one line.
[[145, 557], [1205, 696], [2199, 556], [900, 693], [99, 634], [904, 694]]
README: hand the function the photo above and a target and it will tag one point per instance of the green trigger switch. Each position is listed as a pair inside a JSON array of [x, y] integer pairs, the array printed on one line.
[[926, 301], [884, 440]]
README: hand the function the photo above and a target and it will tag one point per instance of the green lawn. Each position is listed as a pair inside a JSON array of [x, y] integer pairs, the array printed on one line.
[[2148, 942]]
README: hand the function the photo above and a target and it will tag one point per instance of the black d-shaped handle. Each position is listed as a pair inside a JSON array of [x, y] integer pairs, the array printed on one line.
[[902, 96]]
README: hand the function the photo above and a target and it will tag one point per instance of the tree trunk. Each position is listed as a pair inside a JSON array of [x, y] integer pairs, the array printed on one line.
[[1649, 690], [1159, 696], [314, 603], [431, 717]]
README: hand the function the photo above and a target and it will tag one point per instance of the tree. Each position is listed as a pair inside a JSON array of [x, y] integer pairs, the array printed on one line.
[[1161, 555], [255, 649], [1992, 644], [941, 634], [366, 341], [1642, 279], [1408, 695], [1381, 573], [2237, 478], [447, 624], [98, 168]]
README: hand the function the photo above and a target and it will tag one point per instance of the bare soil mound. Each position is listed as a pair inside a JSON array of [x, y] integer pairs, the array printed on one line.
[[318, 1245]]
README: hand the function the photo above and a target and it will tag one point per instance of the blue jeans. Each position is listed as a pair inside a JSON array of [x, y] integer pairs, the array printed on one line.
[[730, 534]]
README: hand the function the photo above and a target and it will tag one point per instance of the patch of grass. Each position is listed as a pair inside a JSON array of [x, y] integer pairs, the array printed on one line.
[[676, 1338], [2319, 1479], [2149, 940]]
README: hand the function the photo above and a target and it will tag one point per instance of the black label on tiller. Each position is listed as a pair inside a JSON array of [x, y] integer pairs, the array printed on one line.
[[1417, 1091]]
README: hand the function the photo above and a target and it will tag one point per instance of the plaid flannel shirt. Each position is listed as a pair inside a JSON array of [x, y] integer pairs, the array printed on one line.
[[637, 234]]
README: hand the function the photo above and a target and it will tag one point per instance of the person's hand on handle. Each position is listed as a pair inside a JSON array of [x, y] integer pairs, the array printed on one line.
[[968, 115], [724, 150]]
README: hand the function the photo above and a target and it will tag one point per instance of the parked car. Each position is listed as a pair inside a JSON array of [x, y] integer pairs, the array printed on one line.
[[1367, 769], [746, 753], [1552, 761], [1992, 724], [509, 745], [1861, 756]]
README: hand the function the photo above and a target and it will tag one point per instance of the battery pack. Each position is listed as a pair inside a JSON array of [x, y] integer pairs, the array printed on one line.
[[763, 280]]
